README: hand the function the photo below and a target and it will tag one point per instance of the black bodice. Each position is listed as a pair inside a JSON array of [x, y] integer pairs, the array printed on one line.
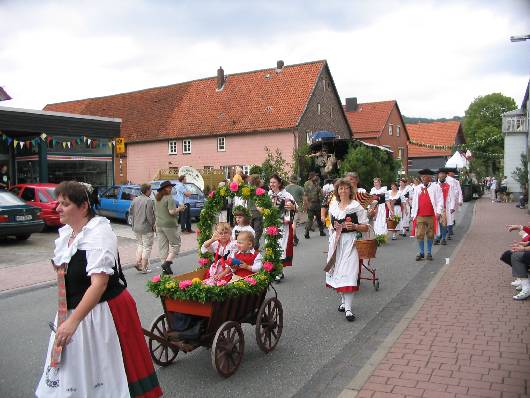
[[77, 281], [353, 217]]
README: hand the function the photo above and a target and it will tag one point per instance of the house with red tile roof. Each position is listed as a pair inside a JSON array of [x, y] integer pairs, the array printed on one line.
[[222, 121], [425, 142], [379, 123]]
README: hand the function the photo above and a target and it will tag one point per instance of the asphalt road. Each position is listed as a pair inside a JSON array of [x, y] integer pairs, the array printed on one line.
[[318, 354]]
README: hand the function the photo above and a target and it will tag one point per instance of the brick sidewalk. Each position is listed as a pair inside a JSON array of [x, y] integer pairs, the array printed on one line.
[[40, 272], [469, 338]]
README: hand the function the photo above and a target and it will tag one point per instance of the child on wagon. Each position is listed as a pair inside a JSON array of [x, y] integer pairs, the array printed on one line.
[[242, 219], [245, 260], [221, 246]]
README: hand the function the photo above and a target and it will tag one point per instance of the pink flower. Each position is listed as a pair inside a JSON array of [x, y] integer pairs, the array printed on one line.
[[203, 261], [250, 280], [211, 194], [209, 282], [260, 191], [272, 230], [155, 279], [268, 266], [185, 284], [221, 282], [233, 186]]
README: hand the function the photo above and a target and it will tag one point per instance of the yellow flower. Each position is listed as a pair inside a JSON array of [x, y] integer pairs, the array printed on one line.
[[268, 251], [171, 285], [266, 212], [245, 192], [196, 280], [222, 191]]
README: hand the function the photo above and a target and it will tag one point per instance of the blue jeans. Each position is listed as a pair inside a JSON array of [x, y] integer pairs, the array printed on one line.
[[442, 233]]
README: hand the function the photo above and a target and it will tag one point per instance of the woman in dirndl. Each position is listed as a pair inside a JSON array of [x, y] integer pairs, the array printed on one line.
[[405, 190], [380, 215], [285, 202], [394, 203], [348, 218], [97, 348]]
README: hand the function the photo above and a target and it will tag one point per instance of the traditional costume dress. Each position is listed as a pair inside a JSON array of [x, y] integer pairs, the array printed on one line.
[[342, 259], [397, 200], [406, 194], [107, 355], [380, 217], [449, 205], [426, 206], [221, 254], [252, 257], [287, 216]]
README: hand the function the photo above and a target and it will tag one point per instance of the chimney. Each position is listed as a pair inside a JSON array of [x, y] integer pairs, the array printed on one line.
[[220, 78], [279, 65], [351, 104]]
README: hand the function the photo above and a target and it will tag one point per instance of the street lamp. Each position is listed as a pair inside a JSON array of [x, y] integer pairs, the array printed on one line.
[[513, 39]]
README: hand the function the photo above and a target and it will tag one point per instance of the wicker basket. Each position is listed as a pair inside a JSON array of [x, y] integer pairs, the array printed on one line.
[[391, 224], [366, 248]]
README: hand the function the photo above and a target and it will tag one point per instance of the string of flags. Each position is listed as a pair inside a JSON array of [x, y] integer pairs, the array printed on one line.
[[54, 142], [489, 140]]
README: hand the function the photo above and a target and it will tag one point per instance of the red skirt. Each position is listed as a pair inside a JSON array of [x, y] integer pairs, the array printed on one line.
[[289, 251], [344, 289], [139, 368], [242, 272]]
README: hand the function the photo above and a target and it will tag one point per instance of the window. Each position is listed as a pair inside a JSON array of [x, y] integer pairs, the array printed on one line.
[[208, 167], [400, 153], [220, 144], [324, 84], [308, 137], [389, 129], [172, 148], [398, 130], [331, 112], [112, 193], [28, 194], [318, 108], [43, 198], [186, 146], [246, 169]]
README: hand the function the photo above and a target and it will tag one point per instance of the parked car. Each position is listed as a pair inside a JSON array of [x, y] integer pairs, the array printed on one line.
[[116, 200], [196, 200], [17, 218], [41, 196]]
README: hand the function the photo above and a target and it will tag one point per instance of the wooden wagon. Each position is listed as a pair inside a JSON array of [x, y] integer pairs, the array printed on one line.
[[222, 327]]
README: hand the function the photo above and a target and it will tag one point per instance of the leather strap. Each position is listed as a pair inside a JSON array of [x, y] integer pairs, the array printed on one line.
[[61, 314]]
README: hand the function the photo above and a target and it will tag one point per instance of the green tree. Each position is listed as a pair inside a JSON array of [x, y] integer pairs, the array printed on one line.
[[302, 163], [274, 163], [520, 174], [483, 119], [370, 162]]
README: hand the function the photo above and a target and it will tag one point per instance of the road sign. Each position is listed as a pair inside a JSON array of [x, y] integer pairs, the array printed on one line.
[[120, 145]]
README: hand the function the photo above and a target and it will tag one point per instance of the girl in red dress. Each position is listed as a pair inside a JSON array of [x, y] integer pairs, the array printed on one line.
[[221, 245], [246, 260]]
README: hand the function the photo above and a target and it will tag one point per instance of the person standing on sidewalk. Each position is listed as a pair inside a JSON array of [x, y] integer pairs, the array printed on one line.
[[427, 204], [298, 194], [142, 213], [167, 228], [312, 201]]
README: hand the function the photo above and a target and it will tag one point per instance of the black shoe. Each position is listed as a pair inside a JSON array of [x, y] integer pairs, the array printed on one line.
[[341, 308], [306, 235], [295, 241], [322, 233], [449, 237], [429, 256], [166, 268], [444, 242], [419, 257], [350, 317], [436, 242]]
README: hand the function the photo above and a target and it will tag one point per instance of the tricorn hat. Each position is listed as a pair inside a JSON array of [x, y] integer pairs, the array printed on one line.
[[427, 172], [165, 184]]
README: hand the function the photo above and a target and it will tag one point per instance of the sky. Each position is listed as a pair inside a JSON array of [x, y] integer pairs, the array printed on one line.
[[433, 57]]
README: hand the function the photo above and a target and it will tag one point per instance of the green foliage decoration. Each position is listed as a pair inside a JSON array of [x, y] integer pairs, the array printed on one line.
[[520, 174]]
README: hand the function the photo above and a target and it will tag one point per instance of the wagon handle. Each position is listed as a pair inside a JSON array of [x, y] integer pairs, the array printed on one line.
[[275, 292]]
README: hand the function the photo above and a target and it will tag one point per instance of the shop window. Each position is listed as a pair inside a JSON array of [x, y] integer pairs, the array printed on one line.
[[220, 144], [172, 147], [28, 194], [186, 146]]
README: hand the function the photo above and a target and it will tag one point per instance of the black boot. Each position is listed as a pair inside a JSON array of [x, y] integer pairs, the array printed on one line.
[[306, 235], [322, 233], [166, 268]]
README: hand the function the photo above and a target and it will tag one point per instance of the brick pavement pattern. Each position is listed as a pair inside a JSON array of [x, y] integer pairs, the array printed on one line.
[[469, 338]]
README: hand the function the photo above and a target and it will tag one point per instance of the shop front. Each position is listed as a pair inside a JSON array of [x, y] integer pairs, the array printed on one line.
[[40, 146]]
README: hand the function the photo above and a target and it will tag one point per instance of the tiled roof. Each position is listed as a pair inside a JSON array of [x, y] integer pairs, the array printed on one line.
[[261, 100], [437, 133], [370, 118]]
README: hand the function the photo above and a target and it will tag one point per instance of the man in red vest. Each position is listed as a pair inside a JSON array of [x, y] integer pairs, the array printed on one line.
[[427, 204]]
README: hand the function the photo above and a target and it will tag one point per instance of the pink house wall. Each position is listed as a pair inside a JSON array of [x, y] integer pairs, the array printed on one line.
[[144, 160]]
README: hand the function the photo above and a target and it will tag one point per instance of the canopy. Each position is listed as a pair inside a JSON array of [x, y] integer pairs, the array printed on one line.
[[323, 135], [457, 160]]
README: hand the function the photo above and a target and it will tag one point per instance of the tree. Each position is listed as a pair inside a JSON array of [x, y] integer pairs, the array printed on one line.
[[520, 174], [370, 162], [274, 163], [302, 163], [483, 119]]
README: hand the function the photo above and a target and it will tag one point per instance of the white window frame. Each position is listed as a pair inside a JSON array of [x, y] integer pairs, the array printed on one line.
[[188, 150], [400, 153], [208, 168], [319, 108], [308, 137], [172, 147], [221, 148], [398, 130], [389, 129], [246, 169], [331, 112]]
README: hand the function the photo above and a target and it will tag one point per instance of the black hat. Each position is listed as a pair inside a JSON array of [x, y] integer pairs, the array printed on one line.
[[428, 172], [165, 184], [443, 170]]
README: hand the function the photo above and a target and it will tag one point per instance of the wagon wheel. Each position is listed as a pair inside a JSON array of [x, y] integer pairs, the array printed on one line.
[[227, 348], [269, 324], [162, 353]]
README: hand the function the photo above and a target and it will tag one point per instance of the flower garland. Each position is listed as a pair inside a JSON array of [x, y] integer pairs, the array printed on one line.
[[195, 290]]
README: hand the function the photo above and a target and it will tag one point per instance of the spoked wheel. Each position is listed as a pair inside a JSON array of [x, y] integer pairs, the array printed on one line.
[[269, 324], [162, 353], [228, 348]]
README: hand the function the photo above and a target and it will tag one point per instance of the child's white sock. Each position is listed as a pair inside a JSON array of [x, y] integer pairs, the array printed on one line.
[[348, 301]]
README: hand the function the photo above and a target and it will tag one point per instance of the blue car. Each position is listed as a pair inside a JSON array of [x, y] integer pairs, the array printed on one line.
[[196, 200], [116, 200]]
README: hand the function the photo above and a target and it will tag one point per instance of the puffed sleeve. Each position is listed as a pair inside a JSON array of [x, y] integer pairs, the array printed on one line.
[[256, 266], [211, 249], [362, 216], [100, 261]]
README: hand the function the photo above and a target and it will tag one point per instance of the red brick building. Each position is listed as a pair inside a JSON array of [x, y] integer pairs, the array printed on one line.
[[222, 121], [379, 123]]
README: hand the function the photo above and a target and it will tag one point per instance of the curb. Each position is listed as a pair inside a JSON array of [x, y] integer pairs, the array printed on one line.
[[356, 384], [43, 285]]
